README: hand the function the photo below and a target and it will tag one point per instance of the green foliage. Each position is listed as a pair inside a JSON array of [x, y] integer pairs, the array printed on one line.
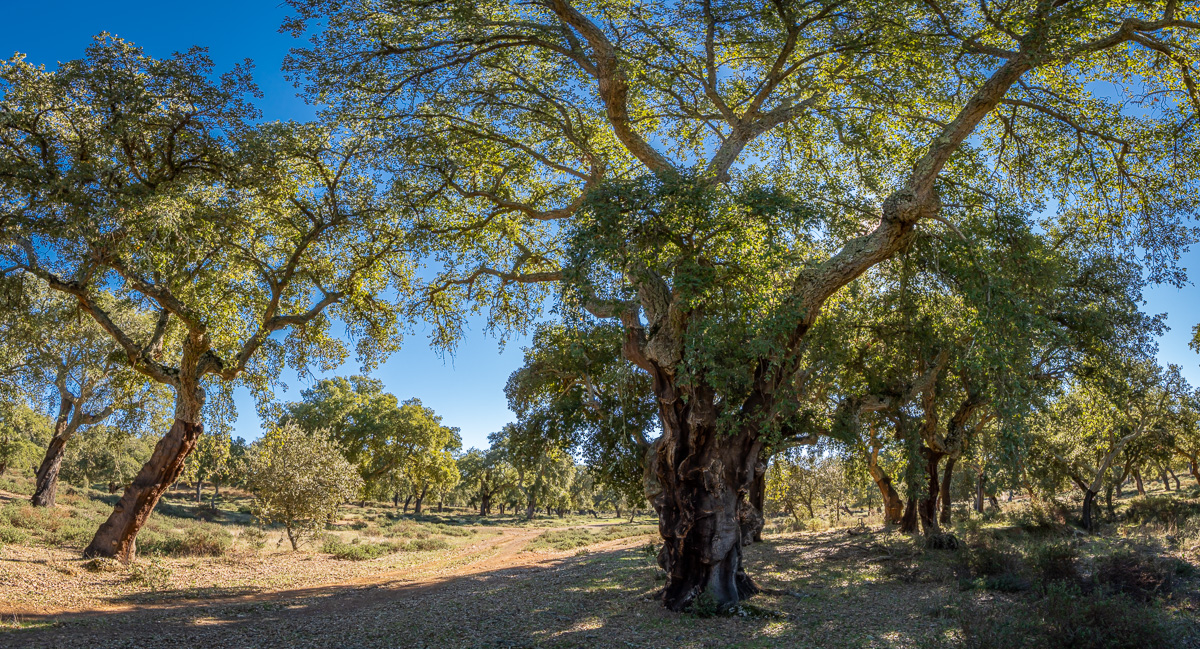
[[1160, 509], [197, 540], [1068, 618], [569, 539], [1136, 575], [150, 573], [356, 551], [299, 479], [1055, 561], [397, 447]]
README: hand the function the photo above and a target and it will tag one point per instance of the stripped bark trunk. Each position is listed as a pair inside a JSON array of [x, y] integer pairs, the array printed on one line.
[[117, 535], [1137, 479], [46, 483], [893, 506]]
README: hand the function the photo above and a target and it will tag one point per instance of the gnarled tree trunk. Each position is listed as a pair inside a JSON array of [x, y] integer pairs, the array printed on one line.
[[117, 535], [702, 476]]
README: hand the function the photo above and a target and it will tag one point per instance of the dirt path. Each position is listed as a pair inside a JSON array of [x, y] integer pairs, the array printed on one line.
[[500, 554]]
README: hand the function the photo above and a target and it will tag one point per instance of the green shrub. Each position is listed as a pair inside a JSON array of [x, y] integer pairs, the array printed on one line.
[[13, 536], [1055, 561], [989, 559], [1038, 518], [1141, 577], [198, 541], [424, 545], [1069, 619], [255, 537], [359, 525], [152, 574], [1160, 509], [356, 551]]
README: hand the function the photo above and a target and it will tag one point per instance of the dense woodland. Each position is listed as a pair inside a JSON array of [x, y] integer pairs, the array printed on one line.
[[785, 267]]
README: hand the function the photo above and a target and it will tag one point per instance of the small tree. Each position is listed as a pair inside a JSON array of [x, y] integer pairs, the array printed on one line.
[[299, 479]]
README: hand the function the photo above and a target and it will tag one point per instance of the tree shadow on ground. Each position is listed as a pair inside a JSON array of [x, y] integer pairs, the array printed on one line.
[[596, 599]]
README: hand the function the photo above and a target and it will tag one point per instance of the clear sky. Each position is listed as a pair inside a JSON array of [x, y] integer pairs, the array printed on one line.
[[466, 390]]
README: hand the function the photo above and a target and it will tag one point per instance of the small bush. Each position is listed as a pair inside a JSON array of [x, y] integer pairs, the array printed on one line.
[[13, 536], [255, 537], [102, 564], [1160, 509], [425, 545], [152, 574], [1039, 518], [1067, 618], [1055, 561], [359, 525], [199, 541], [1139, 576], [704, 606], [356, 551], [989, 560]]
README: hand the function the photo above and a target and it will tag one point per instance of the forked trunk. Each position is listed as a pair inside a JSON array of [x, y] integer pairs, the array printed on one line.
[[1178, 487], [947, 476], [116, 536], [47, 474], [701, 477], [407, 501]]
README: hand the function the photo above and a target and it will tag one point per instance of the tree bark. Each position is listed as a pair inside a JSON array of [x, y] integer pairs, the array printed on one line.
[[750, 513], [893, 506], [947, 476], [927, 509], [1194, 468], [46, 484], [420, 499], [908, 522], [701, 476], [1089, 500], [1165, 481], [980, 479], [116, 536], [407, 500], [1178, 487], [199, 490], [1137, 479]]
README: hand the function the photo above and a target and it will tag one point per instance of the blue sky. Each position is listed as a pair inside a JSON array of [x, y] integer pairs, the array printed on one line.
[[467, 390]]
